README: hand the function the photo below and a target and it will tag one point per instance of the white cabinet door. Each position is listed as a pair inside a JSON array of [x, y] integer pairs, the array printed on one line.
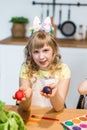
[[11, 58], [76, 59]]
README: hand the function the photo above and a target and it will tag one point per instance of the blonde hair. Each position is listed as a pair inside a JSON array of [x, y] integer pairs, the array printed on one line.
[[36, 41]]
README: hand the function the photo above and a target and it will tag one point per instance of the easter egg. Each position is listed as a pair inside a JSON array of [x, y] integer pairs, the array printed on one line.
[[47, 90], [19, 95]]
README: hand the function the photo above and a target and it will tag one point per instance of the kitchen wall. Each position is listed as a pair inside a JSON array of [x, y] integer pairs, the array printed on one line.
[[10, 8]]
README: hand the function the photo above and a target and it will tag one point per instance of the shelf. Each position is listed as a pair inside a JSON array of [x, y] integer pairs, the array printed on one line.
[[69, 43], [14, 41]]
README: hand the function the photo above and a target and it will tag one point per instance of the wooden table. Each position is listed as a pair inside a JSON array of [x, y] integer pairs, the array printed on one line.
[[43, 124]]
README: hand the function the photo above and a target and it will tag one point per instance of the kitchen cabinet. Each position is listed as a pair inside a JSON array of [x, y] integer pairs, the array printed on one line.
[[11, 58], [73, 53], [76, 60]]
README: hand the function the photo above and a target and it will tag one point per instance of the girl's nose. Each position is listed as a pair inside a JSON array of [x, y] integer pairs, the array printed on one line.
[[41, 55]]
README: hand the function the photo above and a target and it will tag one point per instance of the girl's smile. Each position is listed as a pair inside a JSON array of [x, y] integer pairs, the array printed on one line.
[[43, 56]]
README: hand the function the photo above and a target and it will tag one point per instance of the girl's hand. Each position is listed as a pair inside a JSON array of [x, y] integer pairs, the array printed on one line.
[[54, 91], [22, 94]]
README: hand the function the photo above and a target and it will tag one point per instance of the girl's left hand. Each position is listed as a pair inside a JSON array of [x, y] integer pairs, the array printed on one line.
[[54, 91]]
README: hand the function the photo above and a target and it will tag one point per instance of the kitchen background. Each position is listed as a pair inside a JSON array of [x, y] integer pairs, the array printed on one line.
[[11, 8], [11, 56]]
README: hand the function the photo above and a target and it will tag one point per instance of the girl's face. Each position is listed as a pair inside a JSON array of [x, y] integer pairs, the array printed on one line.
[[43, 56]]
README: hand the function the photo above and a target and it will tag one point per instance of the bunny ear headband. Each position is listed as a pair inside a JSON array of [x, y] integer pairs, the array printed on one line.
[[46, 26]]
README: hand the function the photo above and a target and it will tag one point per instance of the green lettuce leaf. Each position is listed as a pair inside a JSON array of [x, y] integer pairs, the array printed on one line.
[[10, 120]]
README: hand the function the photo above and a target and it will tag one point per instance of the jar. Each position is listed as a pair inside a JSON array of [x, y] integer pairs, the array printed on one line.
[[81, 30]]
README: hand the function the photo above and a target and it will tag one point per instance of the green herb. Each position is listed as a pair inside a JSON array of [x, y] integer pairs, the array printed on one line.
[[10, 120], [19, 20]]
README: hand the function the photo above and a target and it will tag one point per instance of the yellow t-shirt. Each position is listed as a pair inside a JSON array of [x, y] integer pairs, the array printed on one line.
[[44, 78], [64, 73]]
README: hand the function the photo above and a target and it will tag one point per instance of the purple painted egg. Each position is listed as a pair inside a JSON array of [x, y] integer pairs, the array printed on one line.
[[47, 90]]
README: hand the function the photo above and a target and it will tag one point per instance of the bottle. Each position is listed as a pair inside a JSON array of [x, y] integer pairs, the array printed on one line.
[[54, 26], [81, 30], [86, 33]]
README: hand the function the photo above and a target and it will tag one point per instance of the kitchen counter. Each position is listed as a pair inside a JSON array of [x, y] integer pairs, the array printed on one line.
[[71, 43], [46, 124]]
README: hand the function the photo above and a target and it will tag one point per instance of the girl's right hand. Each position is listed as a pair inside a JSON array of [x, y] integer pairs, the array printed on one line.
[[27, 92]]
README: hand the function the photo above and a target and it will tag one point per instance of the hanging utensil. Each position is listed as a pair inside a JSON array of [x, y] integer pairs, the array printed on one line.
[[68, 28], [42, 12], [60, 18], [53, 8], [47, 10]]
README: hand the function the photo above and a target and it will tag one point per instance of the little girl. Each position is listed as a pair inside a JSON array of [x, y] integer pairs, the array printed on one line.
[[43, 67], [82, 89]]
